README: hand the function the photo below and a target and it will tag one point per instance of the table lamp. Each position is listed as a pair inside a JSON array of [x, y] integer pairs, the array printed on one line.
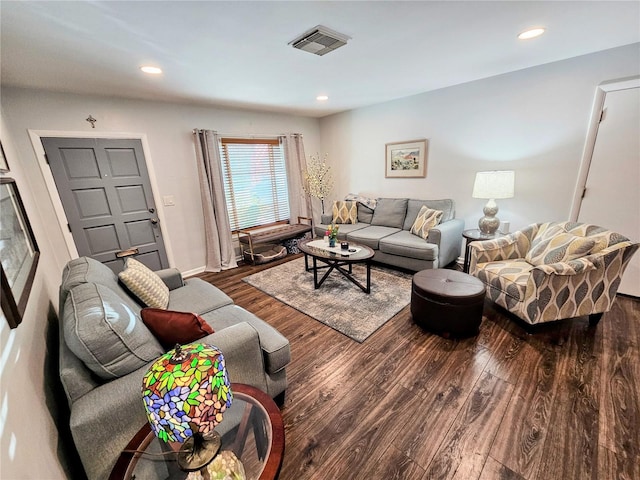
[[492, 185], [185, 393]]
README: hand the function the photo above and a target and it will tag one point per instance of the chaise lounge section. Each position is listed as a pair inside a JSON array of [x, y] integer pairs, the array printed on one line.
[[102, 363]]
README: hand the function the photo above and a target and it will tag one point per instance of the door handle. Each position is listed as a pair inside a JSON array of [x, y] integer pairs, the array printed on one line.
[[127, 253], [154, 221]]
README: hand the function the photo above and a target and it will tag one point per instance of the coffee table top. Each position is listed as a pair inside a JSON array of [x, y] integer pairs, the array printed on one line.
[[335, 253], [252, 429]]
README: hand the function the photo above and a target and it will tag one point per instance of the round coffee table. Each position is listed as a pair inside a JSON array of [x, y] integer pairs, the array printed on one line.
[[335, 258], [252, 429]]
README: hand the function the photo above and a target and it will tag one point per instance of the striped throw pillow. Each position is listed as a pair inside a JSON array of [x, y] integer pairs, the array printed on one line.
[[345, 212], [144, 284], [425, 221]]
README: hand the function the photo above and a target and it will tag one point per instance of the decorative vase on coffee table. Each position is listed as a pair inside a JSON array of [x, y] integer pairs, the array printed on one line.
[[332, 242]]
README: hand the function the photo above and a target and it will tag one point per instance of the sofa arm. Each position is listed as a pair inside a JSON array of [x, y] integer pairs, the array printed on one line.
[[448, 237], [171, 277], [104, 420]]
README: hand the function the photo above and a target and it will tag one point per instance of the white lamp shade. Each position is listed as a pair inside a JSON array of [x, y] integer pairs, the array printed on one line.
[[495, 184]]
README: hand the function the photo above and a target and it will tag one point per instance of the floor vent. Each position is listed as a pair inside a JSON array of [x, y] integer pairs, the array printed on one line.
[[320, 40]]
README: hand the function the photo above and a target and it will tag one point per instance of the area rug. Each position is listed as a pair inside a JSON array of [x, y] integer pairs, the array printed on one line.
[[338, 303]]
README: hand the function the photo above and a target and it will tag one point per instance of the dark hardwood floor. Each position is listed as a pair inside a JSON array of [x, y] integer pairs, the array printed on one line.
[[562, 403]]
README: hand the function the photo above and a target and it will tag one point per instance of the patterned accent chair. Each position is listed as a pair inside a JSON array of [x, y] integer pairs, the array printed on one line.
[[552, 271]]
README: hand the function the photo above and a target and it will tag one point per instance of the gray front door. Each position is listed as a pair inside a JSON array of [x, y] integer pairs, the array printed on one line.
[[106, 194]]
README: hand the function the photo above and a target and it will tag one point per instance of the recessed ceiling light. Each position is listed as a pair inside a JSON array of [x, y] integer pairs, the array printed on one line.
[[322, 98], [531, 33], [151, 70]]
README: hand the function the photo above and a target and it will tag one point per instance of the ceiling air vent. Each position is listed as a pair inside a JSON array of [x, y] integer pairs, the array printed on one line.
[[319, 40]]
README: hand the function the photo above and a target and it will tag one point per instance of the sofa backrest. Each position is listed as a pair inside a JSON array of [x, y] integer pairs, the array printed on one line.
[[87, 270], [446, 206]]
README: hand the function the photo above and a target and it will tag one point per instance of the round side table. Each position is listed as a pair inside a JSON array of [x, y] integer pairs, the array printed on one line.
[[474, 235]]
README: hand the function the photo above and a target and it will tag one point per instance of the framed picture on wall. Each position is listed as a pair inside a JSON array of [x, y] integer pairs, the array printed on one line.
[[18, 252], [4, 166], [406, 159]]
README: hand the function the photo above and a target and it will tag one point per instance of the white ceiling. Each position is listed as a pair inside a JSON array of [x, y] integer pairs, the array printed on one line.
[[237, 54]]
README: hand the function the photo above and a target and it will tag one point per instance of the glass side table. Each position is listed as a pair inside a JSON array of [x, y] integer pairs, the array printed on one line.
[[475, 235], [252, 428]]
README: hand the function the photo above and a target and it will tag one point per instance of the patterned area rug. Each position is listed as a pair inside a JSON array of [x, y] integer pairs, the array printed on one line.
[[338, 303]]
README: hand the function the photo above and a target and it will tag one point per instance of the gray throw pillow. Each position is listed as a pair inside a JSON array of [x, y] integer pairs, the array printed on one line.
[[390, 212], [105, 333], [365, 214]]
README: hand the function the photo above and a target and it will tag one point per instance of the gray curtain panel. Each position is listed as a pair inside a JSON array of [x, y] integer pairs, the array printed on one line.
[[299, 201], [220, 252]]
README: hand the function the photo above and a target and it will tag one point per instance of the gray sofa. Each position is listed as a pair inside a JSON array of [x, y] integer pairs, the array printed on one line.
[[387, 230], [107, 412]]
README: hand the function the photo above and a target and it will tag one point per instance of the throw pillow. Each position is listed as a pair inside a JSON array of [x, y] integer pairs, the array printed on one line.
[[390, 212], [560, 247], [171, 327], [345, 212], [144, 284], [106, 333], [425, 221]]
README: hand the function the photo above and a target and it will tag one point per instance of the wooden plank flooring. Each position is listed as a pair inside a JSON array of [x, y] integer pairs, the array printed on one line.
[[563, 403]]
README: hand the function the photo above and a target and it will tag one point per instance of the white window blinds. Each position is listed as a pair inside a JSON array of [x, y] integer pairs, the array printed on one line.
[[255, 181]]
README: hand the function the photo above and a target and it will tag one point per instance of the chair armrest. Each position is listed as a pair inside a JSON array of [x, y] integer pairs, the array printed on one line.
[[171, 277], [448, 237], [309, 220], [509, 247]]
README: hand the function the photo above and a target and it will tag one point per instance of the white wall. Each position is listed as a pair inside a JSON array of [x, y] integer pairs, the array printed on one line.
[[168, 128], [533, 121], [28, 435]]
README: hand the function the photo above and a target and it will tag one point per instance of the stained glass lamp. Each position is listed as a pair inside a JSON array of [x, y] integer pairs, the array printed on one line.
[[185, 393]]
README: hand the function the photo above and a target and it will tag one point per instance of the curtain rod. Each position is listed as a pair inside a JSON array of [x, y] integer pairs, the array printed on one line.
[[247, 135]]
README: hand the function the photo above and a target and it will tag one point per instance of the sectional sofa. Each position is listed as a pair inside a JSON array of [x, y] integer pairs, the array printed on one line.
[[387, 230], [105, 350]]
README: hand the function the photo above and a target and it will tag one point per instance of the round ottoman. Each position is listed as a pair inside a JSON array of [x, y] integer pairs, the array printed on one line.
[[447, 302]]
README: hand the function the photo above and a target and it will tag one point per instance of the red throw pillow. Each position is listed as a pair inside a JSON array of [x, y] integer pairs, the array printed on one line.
[[174, 327]]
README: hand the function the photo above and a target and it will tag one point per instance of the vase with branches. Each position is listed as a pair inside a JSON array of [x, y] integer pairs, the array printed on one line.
[[318, 180]]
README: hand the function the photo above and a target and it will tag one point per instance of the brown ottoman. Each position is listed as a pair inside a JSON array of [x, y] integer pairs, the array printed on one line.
[[447, 302]]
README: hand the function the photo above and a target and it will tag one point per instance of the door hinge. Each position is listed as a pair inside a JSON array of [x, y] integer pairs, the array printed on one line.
[[601, 116], [46, 158], [69, 227], [584, 192]]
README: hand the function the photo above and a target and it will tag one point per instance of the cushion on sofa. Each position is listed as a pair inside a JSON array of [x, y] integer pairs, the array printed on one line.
[[105, 333], [446, 206], [87, 270], [171, 327], [345, 212], [365, 214], [371, 236], [390, 212], [197, 296], [144, 284], [425, 221], [406, 244]]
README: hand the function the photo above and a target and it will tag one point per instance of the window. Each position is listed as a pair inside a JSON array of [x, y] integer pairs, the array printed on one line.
[[255, 181]]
